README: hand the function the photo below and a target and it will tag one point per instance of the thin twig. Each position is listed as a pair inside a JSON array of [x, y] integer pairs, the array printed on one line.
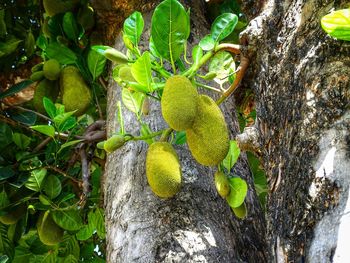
[[42, 145]]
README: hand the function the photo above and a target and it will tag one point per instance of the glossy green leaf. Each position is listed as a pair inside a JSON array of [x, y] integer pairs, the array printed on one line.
[[15, 88], [69, 246], [9, 46], [50, 107], [22, 254], [222, 64], [223, 25], [29, 44], [170, 29], [207, 43], [232, 155], [96, 63], [180, 138], [70, 259], [70, 26], [197, 54], [85, 232], [36, 179], [4, 259], [6, 247], [21, 140], [45, 129], [6, 172], [5, 135], [28, 118], [70, 143], [141, 70], [153, 49], [61, 53], [133, 27], [96, 219], [238, 191], [68, 219], [337, 24], [3, 27], [132, 100], [52, 186]]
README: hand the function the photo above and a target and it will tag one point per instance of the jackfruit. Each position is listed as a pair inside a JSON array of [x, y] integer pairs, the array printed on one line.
[[163, 169], [208, 139], [115, 56], [36, 76], [52, 69], [179, 103], [86, 17], [13, 216], [37, 67], [53, 7], [76, 94], [222, 184], [240, 211], [113, 143], [45, 88], [49, 232]]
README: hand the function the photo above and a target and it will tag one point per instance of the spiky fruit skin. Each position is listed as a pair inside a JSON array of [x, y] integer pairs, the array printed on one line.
[[53, 7], [179, 103], [13, 216], [222, 184], [113, 143], [163, 169], [208, 139], [45, 88], [52, 69], [75, 93], [49, 232]]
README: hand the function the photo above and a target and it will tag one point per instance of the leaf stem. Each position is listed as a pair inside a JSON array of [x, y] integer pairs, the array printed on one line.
[[150, 136], [166, 134], [207, 87]]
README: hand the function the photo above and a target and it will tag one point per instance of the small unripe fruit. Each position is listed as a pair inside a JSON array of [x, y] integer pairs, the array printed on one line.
[[52, 69], [114, 143], [116, 56], [222, 184], [36, 76], [241, 211]]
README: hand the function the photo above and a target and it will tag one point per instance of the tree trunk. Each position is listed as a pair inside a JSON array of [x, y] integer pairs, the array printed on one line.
[[300, 77], [194, 226]]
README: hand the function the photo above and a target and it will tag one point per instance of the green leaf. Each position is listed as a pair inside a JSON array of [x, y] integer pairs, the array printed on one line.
[[85, 232], [232, 155], [21, 140], [132, 100], [4, 258], [133, 27], [96, 63], [153, 48], [52, 186], [223, 25], [36, 179], [197, 54], [4, 200], [61, 53], [67, 124], [68, 219], [28, 118], [70, 26], [141, 70], [67, 144], [5, 135], [96, 219], [3, 29], [6, 172], [45, 129], [29, 44], [22, 254], [207, 43], [70, 259], [49, 107], [170, 29], [61, 118], [100, 49], [69, 246], [180, 138], [6, 246], [238, 191], [145, 131], [15, 88], [9, 46], [337, 24], [222, 64]]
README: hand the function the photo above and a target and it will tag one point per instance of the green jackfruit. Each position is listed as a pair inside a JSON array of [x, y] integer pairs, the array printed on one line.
[[53, 7], [36, 76], [113, 143], [86, 17], [13, 216], [45, 88], [179, 103], [163, 169], [52, 69], [222, 184], [208, 139], [240, 211], [49, 232], [75, 93], [37, 67]]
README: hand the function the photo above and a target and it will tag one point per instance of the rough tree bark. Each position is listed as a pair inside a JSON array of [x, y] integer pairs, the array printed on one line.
[[300, 78], [301, 81], [195, 226]]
